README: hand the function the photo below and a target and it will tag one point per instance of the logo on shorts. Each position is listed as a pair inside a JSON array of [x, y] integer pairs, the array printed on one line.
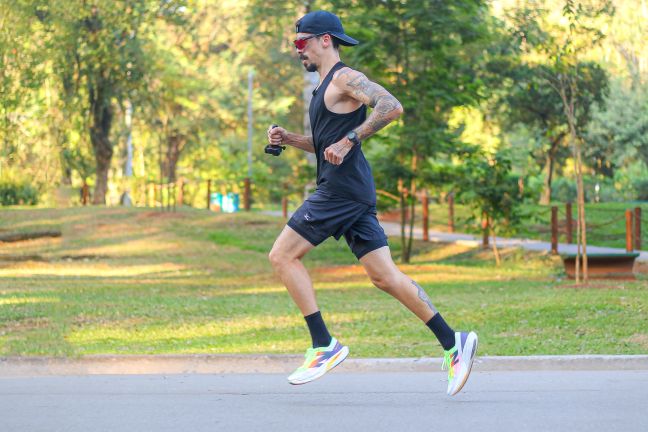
[[308, 217]]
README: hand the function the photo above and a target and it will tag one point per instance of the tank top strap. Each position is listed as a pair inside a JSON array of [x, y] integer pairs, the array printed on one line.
[[329, 76]]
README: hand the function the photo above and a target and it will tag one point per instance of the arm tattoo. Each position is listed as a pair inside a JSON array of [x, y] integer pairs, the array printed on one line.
[[424, 298], [362, 87], [384, 104]]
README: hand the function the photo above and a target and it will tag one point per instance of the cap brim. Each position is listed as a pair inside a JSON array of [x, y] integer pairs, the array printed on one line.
[[344, 39]]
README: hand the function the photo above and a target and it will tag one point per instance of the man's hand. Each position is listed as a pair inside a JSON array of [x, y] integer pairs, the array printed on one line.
[[335, 153], [276, 135]]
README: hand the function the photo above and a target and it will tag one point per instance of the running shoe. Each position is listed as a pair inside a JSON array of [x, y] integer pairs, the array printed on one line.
[[318, 361], [459, 360]]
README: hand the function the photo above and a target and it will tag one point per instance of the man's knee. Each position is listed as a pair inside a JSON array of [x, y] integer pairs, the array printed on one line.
[[279, 256], [276, 257], [386, 281]]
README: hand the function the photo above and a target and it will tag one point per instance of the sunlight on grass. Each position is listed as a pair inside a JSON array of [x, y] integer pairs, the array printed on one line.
[[86, 269], [215, 336], [27, 300], [444, 252], [145, 246]]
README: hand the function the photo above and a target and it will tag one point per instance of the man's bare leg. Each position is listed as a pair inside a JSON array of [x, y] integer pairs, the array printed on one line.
[[460, 347], [385, 275], [285, 257]]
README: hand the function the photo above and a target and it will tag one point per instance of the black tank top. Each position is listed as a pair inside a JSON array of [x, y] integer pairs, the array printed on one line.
[[352, 179]]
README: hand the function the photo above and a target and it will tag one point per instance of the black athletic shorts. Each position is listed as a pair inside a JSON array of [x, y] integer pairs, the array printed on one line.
[[322, 216]]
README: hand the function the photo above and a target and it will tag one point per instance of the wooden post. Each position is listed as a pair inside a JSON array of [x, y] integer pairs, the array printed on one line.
[[485, 230], [637, 230], [554, 230], [426, 216], [284, 207], [85, 194], [208, 192], [451, 224], [246, 194], [569, 226], [629, 247]]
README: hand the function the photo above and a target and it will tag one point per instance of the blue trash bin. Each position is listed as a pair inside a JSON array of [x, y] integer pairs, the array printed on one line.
[[216, 201], [231, 203]]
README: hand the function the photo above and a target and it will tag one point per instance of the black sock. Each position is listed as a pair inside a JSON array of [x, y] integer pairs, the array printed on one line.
[[318, 331], [442, 331]]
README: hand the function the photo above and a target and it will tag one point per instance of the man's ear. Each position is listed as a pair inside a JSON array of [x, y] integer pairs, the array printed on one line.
[[327, 40]]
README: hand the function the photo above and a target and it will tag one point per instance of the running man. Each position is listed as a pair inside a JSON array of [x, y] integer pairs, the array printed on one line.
[[344, 203]]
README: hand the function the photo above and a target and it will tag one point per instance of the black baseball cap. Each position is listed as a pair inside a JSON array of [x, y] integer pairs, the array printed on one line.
[[322, 22]]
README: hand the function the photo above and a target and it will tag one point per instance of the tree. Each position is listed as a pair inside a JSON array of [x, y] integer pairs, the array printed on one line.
[[564, 58], [21, 75], [618, 134], [519, 73], [106, 56], [524, 98], [427, 54], [486, 185]]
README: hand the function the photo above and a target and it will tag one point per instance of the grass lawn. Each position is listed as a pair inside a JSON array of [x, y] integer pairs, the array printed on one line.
[[140, 281]]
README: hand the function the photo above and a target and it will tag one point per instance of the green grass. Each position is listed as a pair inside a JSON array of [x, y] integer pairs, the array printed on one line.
[[138, 281]]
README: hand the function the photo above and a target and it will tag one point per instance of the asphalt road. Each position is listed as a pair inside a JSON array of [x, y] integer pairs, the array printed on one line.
[[396, 402]]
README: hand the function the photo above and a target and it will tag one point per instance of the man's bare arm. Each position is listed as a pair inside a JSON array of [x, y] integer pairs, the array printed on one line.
[[300, 141], [279, 136], [386, 108]]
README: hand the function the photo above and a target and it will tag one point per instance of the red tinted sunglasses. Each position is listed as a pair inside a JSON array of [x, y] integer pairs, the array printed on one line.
[[300, 43]]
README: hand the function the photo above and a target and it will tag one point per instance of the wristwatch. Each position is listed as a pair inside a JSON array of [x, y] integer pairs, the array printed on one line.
[[353, 137]]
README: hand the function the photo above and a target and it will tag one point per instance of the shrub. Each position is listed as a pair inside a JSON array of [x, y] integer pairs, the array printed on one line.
[[641, 186], [563, 190], [17, 194]]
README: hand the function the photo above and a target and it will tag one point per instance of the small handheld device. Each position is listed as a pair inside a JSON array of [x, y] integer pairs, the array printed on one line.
[[274, 150]]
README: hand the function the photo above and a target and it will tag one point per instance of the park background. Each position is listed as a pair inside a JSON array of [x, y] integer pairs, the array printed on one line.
[[123, 124]]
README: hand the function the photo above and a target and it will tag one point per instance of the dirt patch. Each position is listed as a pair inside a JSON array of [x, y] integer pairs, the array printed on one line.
[[641, 267], [390, 216], [163, 215], [340, 270], [259, 223], [639, 339], [25, 324]]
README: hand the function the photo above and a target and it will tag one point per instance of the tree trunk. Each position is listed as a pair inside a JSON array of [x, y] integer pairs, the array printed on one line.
[[411, 224], [581, 205], [403, 207], [175, 144], [581, 227], [545, 199], [498, 258], [102, 115], [412, 206]]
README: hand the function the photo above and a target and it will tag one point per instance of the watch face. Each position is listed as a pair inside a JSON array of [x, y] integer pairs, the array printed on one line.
[[352, 136]]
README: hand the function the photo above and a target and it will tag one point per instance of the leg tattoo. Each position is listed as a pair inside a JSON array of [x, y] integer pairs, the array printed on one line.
[[424, 297]]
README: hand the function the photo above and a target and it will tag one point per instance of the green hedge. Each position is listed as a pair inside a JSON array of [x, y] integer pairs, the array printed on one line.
[[17, 194]]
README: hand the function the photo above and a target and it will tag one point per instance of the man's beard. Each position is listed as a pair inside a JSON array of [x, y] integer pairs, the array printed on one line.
[[310, 67]]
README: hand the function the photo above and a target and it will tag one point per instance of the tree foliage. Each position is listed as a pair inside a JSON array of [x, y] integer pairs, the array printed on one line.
[[69, 70]]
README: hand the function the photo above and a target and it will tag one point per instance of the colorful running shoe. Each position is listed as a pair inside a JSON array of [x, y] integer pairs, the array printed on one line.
[[319, 361], [459, 360]]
